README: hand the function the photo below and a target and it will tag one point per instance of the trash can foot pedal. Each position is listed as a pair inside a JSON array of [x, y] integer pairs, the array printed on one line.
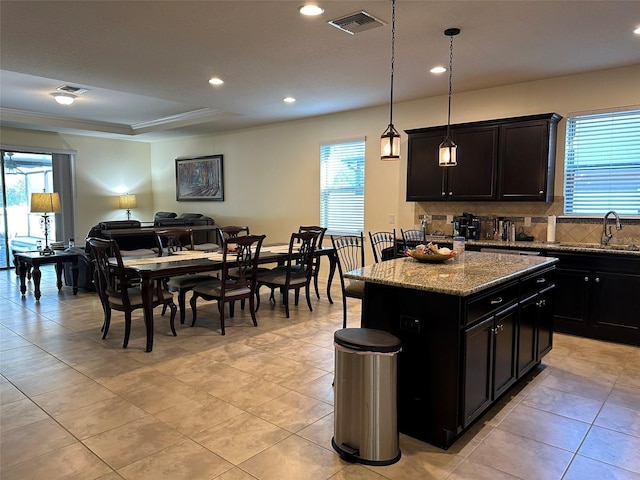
[[347, 453]]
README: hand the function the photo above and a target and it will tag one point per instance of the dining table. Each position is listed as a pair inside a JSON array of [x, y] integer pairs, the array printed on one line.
[[151, 269]]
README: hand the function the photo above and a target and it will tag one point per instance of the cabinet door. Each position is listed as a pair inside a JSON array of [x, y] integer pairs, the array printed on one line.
[[474, 178], [545, 304], [614, 307], [477, 370], [526, 166], [571, 301], [504, 365], [527, 351], [425, 178]]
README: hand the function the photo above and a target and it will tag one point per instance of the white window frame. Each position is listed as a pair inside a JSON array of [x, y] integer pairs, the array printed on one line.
[[602, 163], [342, 177]]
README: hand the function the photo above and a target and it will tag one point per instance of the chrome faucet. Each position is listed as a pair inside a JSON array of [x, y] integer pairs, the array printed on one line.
[[606, 237]]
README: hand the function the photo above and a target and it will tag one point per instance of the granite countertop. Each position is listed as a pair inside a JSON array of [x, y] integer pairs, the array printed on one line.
[[614, 249], [476, 272]]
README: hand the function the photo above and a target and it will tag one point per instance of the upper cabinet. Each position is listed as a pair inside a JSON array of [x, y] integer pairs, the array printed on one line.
[[505, 159]]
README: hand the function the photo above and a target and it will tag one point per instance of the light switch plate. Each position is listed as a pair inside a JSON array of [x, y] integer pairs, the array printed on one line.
[[527, 221], [449, 218], [392, 218]]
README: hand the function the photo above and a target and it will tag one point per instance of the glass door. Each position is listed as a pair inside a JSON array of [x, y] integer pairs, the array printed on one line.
[[22, 175]]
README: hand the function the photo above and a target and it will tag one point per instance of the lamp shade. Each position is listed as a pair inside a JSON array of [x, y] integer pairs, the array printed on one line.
[[45, 203], [128, 201]]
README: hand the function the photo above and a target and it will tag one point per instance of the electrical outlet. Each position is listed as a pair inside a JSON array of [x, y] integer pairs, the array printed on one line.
[[392, 218], [527, 221], [449, 218], [428, 218]]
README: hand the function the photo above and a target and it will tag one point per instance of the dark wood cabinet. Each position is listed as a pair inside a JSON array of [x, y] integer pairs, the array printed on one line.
[[597, 296], [505, 159], [527, 159]]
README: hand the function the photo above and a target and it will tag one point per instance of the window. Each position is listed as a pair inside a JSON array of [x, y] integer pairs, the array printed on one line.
[[342, 187], [602, 163]]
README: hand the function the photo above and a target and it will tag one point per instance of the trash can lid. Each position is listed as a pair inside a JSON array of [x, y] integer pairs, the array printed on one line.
[[367, 340]]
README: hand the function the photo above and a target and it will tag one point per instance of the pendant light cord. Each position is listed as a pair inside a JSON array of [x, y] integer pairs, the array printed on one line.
[[450, 83], [393, 56]]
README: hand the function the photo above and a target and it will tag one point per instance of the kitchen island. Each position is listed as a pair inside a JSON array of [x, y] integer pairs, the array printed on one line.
[[470, 329]]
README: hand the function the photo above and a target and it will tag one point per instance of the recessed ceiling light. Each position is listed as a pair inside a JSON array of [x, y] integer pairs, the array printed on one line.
[[215, 81], [438, 70], [311, 10], [289, 100], [63, 98]]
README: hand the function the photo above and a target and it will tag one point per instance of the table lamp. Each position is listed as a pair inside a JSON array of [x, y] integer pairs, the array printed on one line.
[[128, 202], [45, 203]]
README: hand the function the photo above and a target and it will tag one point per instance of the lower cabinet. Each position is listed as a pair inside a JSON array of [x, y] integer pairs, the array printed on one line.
[[489, 364]]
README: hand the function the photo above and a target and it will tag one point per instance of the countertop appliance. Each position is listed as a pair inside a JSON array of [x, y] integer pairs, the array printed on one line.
[[467, 225]]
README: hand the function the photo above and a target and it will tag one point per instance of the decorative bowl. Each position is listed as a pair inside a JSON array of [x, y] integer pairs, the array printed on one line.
[[429, 257]]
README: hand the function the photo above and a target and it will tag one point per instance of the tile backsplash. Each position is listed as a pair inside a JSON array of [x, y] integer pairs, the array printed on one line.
[[568, 229]]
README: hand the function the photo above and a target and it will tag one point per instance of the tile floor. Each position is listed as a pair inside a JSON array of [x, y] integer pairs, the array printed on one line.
[[257, 403]]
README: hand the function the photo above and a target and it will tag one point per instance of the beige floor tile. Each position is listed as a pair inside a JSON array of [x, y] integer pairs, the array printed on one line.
[[133, 441], [294, 457], [521, 457], [31, 441], [20, 413], [70, 399], [235, 474], [241, 437], [583, 468], [468, 470], [73, 462], [248, 392], [619, 418], [625, 395], [185, 460], [48, 381], [9, 393], [630, 376], [292, 411], [545, 427], [196, 415], [356, 472], [99, 417], [562, 403], [320, 432], [611, 447], [320, 388], [578, 384]]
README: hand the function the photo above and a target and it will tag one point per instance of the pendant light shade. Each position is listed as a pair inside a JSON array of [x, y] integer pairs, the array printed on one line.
[[390, 139], [447, 156]]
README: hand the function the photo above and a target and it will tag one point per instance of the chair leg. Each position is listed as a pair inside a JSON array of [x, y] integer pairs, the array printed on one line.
[[221, 310], [194, 312], [232, 306], [344, 311], [258, 297], [297, 296], [315, 284], [107, 322], [285, 300], [252, 309], [164, 309], [172, 318], [182, 303], [127, 329], [306, 292]]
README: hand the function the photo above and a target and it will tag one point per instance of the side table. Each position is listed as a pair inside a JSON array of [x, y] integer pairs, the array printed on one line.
[[31, 261]]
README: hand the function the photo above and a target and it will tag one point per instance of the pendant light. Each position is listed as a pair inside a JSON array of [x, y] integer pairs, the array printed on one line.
[[447, 155], [390, 139]]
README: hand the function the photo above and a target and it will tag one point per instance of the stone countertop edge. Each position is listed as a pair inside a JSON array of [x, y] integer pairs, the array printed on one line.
[[553, 246], [461, 277]]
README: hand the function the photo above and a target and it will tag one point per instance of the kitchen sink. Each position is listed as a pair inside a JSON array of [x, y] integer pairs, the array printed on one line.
[[614, 246]]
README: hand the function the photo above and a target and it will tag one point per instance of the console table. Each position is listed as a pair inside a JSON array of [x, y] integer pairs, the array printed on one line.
[[31, 261]]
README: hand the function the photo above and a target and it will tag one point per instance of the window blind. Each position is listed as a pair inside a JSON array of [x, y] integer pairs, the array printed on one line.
[[342, 187], [602, 163]]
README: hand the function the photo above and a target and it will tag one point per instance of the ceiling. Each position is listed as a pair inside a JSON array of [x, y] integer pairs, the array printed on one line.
[[146, 64]]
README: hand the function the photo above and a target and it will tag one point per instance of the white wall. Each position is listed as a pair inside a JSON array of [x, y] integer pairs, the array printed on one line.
[[271, 174]]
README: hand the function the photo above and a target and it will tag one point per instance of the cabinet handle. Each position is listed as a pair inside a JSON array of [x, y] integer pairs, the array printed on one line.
[[541, 280], [541, 192], [444, 193], [597, 279], [541, 303], [500, 326], [496, 301], [450, 193], [586, 279]]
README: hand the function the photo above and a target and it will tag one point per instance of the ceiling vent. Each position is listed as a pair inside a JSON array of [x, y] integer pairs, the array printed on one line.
[[72, 90], [356, 22]]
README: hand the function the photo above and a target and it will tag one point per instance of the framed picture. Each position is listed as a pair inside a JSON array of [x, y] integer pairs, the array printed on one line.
[[199, 178]]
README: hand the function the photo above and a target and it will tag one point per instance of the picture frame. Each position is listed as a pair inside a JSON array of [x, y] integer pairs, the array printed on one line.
[[199, 179]]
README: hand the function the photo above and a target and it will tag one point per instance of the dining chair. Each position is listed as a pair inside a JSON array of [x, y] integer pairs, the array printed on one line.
[[173, 240], [118, 292], [349, 252], [237, 280], [295, 273], [231, 231], [383, 245], [316, 260], [411, 238]]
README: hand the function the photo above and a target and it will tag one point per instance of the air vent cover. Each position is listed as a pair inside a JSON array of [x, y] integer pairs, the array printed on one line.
[[73, 90], [356, 22]]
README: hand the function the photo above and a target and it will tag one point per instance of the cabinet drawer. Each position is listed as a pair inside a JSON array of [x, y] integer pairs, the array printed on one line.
[[484, 305], [536, 282]]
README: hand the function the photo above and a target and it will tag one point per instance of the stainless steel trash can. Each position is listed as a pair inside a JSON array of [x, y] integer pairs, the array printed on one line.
[[366, 417]]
